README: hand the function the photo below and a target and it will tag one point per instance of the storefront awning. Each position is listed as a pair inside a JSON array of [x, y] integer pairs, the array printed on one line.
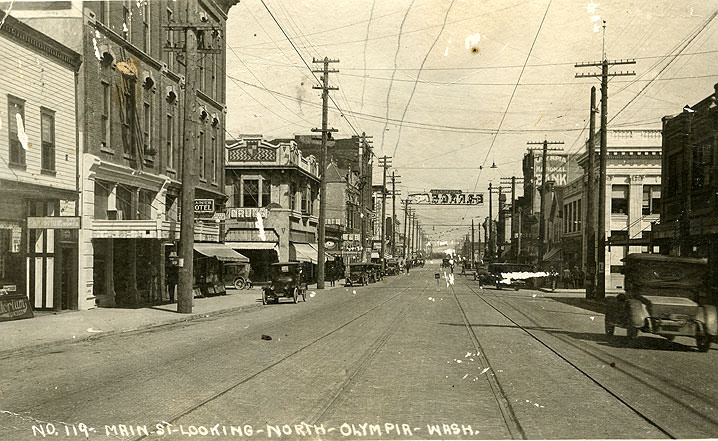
[[303, 252], [552, 255], [253, 246], [219, 251]]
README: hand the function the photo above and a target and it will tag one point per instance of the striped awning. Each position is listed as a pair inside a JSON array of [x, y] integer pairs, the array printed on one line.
[[303, 252], [219, 251]]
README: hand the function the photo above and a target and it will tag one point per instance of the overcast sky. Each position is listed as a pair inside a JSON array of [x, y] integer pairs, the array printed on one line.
[[449, 71]]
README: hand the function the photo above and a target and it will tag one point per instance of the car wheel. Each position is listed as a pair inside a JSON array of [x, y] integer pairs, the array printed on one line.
[[238, 283], [295, 295], [631, 332], [703, 342], [610, 328]]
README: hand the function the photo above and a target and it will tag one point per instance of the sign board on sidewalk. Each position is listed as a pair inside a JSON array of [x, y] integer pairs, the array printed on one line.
[[14, 307]]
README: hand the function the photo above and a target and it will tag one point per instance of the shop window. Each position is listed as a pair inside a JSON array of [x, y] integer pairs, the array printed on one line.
[[266, 192], [10, 260], [47, 129], [701, 164], [619, 199], [250, 195], [651, 200], [15, 107]]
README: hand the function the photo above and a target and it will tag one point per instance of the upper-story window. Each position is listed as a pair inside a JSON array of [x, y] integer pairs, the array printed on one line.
[[266, 192], [147, 127], [126, 21], [170, 137], [16, 122], [202, 153], [47, 129], [673, 175], [250, 193], [292, 196], [146, 26], [102, 11], [651, 199], [702, 164], [213, 160], [170, 56], [619, 199], [105, 134]]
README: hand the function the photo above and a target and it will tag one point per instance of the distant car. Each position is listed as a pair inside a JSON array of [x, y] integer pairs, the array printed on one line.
[[358, 274]]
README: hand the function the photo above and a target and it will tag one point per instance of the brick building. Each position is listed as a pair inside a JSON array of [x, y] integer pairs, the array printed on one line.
[[39, 220], [130, 122], [689, 207]]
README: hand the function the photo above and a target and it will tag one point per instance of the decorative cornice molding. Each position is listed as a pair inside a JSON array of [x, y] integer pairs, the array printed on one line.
[[34, 39]]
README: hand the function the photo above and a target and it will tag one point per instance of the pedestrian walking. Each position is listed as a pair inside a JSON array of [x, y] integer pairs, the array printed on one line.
[[171, 279], [566, 278]]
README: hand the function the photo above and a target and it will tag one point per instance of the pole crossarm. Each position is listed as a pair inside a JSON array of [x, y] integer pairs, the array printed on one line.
[[600, 63]]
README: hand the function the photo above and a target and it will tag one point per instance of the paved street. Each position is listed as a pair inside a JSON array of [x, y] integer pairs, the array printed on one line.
[[405, 358]]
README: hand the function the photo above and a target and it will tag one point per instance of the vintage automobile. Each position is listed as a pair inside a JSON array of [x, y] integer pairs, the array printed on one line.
[[236, 274], [392, 267], [287, 280], [358, 274], [667, 296], [375, 274]]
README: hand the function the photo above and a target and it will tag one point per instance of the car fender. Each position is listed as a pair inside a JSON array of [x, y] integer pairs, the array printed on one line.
[[709, 317], [637, 313]]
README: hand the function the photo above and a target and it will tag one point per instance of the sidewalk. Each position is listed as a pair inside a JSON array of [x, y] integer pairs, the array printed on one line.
[[48, 328]]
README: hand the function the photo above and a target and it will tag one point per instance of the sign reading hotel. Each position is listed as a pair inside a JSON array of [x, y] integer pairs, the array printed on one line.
[[204, 206], [446, 197]]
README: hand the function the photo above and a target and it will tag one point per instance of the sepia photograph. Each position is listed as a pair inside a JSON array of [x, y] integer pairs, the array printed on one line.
[[358, 220]]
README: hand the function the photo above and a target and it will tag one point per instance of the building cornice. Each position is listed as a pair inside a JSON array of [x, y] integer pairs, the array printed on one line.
[[36, 40]]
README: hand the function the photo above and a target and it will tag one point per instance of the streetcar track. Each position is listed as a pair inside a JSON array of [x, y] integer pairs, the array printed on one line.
[[266, 368], [634, 377], [615, 395], [509, 416], [363, 362], [662, 379]]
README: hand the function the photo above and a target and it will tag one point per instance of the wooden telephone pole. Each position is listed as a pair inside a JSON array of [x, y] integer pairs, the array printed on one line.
[[604, 75], [542, 218], [194, 26], [590, 248], [384, 163], [363, 143], [514, 215], [406, 224], [325, 88], [393, 212]]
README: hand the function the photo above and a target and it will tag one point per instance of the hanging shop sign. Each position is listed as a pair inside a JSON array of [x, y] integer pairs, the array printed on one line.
[[446, 197], [204, 206], [246, 213]]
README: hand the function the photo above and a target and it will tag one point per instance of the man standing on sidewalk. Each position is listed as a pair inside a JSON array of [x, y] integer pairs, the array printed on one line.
[[172, 278]]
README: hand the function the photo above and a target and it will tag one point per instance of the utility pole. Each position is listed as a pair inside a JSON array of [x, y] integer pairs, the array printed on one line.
[[406, 217], [514, 214], [362, 144], [601, 282], [473, 258], [410, 239], [192, 28], [490, 242], [325, 88], [393, 212], [542, 218], [591, 203], [384, 163]]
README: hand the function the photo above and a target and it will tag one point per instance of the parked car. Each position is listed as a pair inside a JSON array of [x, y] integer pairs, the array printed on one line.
[[665, 295], [236, 274], [392, 267], [287, 280], [358, 274]]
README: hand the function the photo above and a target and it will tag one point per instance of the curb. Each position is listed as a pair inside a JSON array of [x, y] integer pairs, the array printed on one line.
[[84, 338]]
